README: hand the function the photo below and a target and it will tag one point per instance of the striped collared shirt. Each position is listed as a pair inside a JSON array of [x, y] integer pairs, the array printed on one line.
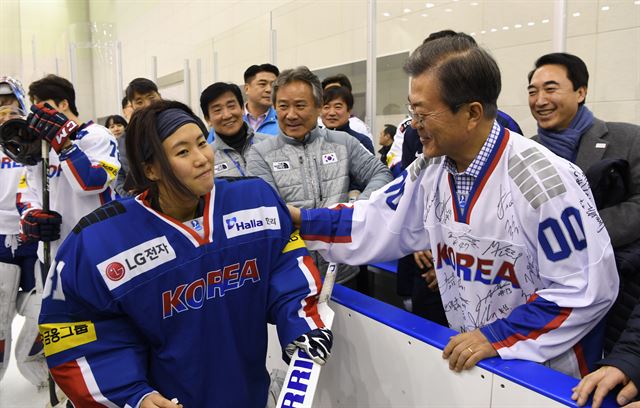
[[464, 180], [254, 122]]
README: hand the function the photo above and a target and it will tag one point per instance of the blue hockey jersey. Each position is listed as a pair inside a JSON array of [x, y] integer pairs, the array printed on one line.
[[137, 301]]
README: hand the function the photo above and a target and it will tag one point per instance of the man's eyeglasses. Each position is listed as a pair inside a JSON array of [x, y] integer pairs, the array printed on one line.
[[419, 118]]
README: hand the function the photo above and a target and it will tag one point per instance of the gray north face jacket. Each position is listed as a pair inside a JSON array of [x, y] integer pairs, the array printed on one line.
[[230, 163], [316, 172]]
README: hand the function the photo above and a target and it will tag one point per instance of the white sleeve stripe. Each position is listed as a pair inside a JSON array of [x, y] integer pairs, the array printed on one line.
[[141, 398], [312, 289], [91, 383]]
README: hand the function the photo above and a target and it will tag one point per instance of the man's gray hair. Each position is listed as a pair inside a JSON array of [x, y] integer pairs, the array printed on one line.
[[466, 72], [302, 74]]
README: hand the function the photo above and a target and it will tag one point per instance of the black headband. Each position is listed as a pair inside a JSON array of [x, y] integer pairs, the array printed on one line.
[[168, 121]]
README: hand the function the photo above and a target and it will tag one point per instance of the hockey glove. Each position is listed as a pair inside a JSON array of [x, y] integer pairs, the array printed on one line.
[[51, 125], [40, 225], [316, 343]]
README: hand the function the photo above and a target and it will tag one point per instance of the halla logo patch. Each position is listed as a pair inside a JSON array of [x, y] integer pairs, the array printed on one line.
[[250, 221]]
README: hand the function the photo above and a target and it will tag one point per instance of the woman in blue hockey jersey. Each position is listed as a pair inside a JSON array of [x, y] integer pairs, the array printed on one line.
[[167, 295]]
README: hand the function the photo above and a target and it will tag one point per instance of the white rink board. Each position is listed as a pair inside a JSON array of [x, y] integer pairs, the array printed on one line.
[[507, 394], [374, 365]]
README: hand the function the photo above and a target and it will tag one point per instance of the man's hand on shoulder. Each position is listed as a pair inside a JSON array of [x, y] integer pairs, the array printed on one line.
[[465, 350], [295, 216]]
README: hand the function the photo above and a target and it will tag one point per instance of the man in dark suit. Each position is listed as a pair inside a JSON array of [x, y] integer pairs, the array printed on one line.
[[609, 154], [557, 92]]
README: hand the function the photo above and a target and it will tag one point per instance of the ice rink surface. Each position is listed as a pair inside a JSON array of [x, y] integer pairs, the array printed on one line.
[[15, 390]]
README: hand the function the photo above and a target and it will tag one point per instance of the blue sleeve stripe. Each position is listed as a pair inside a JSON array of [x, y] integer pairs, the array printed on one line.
[[91, 177], [529, 321], [327, 224]]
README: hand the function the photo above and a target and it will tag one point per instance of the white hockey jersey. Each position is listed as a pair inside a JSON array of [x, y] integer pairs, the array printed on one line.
[[10, 174], [528, 260], [394, 156], [79, 179]]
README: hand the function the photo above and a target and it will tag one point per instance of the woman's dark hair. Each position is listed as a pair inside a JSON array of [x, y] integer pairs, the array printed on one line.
[[115, 119], [144, 147]]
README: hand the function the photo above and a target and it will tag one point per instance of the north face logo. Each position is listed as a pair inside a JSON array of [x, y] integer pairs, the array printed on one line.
[[279, 166], [220, 167]]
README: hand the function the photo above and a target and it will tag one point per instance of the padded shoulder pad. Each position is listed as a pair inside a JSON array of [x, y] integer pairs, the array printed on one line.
[[106, 211]]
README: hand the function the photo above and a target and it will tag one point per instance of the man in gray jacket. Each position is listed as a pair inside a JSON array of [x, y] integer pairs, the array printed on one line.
[[310, 166], [221, 105]]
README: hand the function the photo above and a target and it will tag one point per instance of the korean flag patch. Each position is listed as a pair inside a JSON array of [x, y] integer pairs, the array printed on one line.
[[329, 158]]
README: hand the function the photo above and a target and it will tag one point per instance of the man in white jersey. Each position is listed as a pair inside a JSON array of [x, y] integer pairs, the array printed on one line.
[[83, 161], [18, 261], [524, 265]]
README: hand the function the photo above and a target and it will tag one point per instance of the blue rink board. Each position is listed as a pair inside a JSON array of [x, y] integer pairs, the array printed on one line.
[[536, 377], [389, 266]]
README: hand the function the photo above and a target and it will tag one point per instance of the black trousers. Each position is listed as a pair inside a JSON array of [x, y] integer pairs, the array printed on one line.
[[426, 303]]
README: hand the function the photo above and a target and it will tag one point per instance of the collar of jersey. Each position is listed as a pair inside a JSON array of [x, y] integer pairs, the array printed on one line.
[[188, 232], [464, 214]]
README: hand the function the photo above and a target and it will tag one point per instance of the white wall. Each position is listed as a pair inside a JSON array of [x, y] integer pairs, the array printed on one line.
[[318, 34], [35, 38], [328, 33]]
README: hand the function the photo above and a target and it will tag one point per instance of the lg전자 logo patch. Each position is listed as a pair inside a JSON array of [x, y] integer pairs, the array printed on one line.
[[115, 271], [132, 262]]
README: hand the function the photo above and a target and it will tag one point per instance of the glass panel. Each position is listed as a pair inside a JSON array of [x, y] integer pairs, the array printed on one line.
[[392, 89], [320, 35], [239, 48], [357, 74], [516, 32]]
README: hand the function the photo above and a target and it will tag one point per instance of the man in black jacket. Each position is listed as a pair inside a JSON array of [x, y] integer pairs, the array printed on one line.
[[620, 367]]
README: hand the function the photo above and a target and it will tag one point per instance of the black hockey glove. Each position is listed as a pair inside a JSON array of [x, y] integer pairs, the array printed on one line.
[[40, 225], [51, 125], [316, 343]]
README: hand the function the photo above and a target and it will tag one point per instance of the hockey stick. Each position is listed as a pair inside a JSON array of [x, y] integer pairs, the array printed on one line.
[[302, 376], [46, 249]]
